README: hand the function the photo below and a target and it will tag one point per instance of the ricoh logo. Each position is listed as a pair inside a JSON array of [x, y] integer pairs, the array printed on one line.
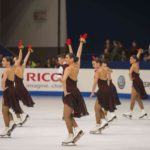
[[46, 77]]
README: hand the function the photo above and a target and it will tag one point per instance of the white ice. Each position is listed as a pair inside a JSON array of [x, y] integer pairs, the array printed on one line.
[[45, 129]]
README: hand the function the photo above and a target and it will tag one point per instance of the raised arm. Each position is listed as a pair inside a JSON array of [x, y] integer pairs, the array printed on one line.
[[140, 51], [26, 58], [27, 55], [19, 58], [21, 47], [79, 51], [68, 43]]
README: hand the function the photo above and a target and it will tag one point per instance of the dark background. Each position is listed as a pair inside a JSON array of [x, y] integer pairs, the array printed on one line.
[[125, 21]]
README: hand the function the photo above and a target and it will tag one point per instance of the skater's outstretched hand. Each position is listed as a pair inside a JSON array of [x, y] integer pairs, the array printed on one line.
[[30, 48], [68, 43], [92, 94], [66, 93], [20, 45]]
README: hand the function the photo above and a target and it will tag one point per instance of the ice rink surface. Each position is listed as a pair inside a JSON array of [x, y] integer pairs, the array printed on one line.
[[45, 129]]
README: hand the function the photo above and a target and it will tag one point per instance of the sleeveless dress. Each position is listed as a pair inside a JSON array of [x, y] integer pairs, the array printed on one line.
[[22, 93], [105, 97], [75, 99], [10, 99], [137, 83], [114, 93]]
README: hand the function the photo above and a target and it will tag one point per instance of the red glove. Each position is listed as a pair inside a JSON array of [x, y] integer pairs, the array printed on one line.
[[68, 41], [30, 48], [139, 49], [83, 37], [20, 45]]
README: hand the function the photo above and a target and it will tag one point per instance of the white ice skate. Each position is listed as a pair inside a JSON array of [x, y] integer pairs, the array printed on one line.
[[68, 141], [127, 115], [24, 118], [99, 127], [111, 117], [104, 124], [96, 129], [18, 121], [143, 115], [12, 126], [78, 133], [6, 133]]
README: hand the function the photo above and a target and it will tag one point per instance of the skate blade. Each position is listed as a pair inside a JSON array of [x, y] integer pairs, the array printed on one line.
[[68, 144], [13, 127], [145, 116], [19, 125], [114, 118], [27, 117], [104, 127], [129, 117], [5, 136], [81, 133], [96, 132]]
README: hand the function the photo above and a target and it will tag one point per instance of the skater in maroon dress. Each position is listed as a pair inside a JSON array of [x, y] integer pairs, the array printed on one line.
[[138, 91], [103, 99], [21, 92], [9, 98], [74, 105], [111, 115], [96, 63]]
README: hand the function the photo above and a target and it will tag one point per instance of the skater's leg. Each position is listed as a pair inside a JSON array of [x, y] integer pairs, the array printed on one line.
[[6, 115], [67, 118], [98, 112], [132, 103], [133, 99], [74, 123], [143, 113], [10, 116], [139, 100]]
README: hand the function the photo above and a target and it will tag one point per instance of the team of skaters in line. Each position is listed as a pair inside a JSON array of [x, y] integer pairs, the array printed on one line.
[[74, 106]]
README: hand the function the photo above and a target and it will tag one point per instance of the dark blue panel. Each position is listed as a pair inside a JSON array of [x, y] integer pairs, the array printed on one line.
[[121, 20]]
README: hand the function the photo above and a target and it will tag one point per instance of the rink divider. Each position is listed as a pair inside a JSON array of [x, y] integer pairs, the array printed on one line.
[[44, 82]]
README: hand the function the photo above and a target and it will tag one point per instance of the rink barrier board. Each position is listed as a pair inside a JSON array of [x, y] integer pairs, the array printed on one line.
[[42, 82]]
